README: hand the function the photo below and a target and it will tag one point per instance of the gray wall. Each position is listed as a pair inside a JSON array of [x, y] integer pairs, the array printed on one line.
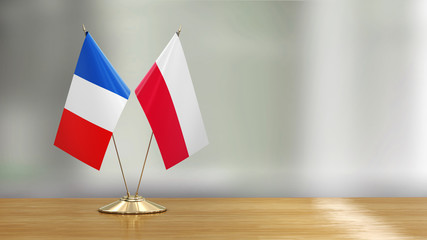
[[298, 98]]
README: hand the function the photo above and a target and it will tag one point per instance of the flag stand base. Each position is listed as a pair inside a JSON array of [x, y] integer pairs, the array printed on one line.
[[132, 205]]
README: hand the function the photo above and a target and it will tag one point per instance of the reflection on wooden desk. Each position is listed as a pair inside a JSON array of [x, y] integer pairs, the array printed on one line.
[[219, 218]]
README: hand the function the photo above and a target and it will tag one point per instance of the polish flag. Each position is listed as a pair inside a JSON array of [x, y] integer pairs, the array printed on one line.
[[95, 101], [167, 97]]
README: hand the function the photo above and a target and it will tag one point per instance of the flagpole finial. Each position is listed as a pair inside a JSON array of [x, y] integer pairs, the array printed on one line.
[[84, 29], [179, 30]]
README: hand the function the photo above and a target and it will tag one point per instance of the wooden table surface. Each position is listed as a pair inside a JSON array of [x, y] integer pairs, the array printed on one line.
[[219, 218]]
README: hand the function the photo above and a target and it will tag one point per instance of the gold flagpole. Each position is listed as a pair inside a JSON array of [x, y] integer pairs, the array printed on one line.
[[143, 166], [121, 168], [179, 30], [84, 29], [114, 141], [134, 204], [149, 144]]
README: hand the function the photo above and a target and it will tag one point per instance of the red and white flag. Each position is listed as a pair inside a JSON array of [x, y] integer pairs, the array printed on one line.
[[167, 97]]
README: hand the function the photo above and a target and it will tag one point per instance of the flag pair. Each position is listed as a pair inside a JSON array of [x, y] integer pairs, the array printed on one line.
[[98, 95]]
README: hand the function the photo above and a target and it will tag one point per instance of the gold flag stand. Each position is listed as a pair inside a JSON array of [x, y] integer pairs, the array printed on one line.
[[132, 204]]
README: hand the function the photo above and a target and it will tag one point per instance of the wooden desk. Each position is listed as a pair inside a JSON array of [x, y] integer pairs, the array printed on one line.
[[221, 218]]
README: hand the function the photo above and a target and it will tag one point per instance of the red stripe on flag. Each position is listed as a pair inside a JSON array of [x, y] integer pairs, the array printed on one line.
[[155, 99], [82, 139]]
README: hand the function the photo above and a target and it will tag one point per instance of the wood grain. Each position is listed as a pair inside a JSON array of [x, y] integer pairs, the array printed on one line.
[[219, 218]]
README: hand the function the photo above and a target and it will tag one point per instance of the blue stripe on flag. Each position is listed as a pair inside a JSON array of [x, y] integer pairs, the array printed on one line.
[[95, 68]]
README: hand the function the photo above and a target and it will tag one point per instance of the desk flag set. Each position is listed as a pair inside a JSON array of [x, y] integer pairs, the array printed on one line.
[[97, 97]]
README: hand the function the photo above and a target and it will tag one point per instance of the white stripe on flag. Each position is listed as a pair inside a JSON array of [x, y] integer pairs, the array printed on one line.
[[174, 69], [94, 103]]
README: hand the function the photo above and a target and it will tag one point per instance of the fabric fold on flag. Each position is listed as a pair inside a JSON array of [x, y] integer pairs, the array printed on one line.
[[169, 101], [95, 101]]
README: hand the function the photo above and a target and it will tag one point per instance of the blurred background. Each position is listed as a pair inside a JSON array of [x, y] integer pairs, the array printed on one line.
[[299, 98]]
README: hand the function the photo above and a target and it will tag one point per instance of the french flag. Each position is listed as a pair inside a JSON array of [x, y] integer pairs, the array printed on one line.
[[167, 97], [95, 101]]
